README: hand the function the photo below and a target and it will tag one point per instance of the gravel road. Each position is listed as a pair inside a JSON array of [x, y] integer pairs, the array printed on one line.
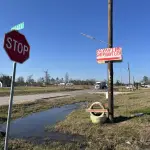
[[30, 98]]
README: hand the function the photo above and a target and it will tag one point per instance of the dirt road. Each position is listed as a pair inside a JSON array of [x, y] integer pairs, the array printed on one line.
[[29, 98]]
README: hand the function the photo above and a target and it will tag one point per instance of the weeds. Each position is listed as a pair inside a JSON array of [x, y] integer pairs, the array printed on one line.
[[126, 134]]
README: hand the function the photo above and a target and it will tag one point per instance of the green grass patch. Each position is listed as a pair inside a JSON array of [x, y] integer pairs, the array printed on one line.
[[145, 110]]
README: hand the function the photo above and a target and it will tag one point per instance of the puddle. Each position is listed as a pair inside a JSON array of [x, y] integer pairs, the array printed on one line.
[[34, 125]]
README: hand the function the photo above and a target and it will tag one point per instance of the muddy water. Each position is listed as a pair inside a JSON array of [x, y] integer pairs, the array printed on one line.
[[34, 125]]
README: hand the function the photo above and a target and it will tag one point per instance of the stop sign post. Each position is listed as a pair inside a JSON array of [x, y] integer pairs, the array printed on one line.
[[18, 50]]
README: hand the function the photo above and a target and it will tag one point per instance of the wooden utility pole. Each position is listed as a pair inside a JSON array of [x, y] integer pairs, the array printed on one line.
[[129, 73], [46, 77], [110, 64]]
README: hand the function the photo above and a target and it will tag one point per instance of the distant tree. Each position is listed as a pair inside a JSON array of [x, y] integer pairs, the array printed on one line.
[[52, 81], [66, 77], [57, 80], [20, 81], [62, 80], [30, 80], [47, 78], [40, 81], [145, 80], [6, 80], [83, 82], [118, 83], [91, 82]]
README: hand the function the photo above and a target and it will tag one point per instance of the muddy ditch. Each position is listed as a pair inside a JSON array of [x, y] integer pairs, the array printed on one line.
[[33, 126]]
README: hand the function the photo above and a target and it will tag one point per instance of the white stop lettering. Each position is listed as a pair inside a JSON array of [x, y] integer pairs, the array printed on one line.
[[19, 47]]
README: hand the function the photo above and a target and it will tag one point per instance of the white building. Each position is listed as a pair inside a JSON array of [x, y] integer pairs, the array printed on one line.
[[61, 84], [1, 84]]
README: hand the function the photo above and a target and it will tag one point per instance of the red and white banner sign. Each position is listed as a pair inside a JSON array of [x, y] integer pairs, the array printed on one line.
[[109, 54]]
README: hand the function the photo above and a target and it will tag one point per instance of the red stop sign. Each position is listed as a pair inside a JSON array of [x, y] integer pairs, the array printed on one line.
[[16, 46]]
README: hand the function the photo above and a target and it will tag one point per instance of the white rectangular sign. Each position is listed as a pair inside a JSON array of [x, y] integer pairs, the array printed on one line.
[[109, 54]]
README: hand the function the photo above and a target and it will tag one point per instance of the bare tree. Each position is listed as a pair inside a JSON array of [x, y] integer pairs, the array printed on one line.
[[62, 80], [20, 81], [30, 80], [52, 81], [40, 81], [57, 80], [145, 80], [66, 77], [47, 78]]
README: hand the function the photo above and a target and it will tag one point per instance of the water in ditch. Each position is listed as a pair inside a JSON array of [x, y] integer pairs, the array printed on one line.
[[34, 124]]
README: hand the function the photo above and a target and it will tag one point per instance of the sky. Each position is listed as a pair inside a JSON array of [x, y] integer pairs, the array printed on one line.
[[53, 27]]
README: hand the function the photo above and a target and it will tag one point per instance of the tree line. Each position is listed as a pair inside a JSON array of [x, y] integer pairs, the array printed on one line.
[[43, 81], [48, 80], [145, 81]]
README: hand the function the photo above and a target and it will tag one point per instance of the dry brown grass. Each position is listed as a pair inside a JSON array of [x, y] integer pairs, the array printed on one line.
[[37, 90], [130, 134]]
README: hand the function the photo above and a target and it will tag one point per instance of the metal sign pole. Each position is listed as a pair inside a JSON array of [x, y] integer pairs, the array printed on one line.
[[10, 106]]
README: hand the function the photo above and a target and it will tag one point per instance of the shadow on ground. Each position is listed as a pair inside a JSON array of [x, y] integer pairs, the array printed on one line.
[[3, 119], [2, 133], [147, 113], [120, 119]]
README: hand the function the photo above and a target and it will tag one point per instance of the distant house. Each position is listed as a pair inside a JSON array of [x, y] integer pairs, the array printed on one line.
[[61, 84], [5, 81], [1, 84], [69, 84], [143, 84]]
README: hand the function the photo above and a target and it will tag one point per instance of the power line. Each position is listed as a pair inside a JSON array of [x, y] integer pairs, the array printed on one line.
[[93, 38]]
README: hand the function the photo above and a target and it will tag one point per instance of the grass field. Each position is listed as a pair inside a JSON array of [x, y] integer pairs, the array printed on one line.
[[130, 134], [126, 134], [38, 90]]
